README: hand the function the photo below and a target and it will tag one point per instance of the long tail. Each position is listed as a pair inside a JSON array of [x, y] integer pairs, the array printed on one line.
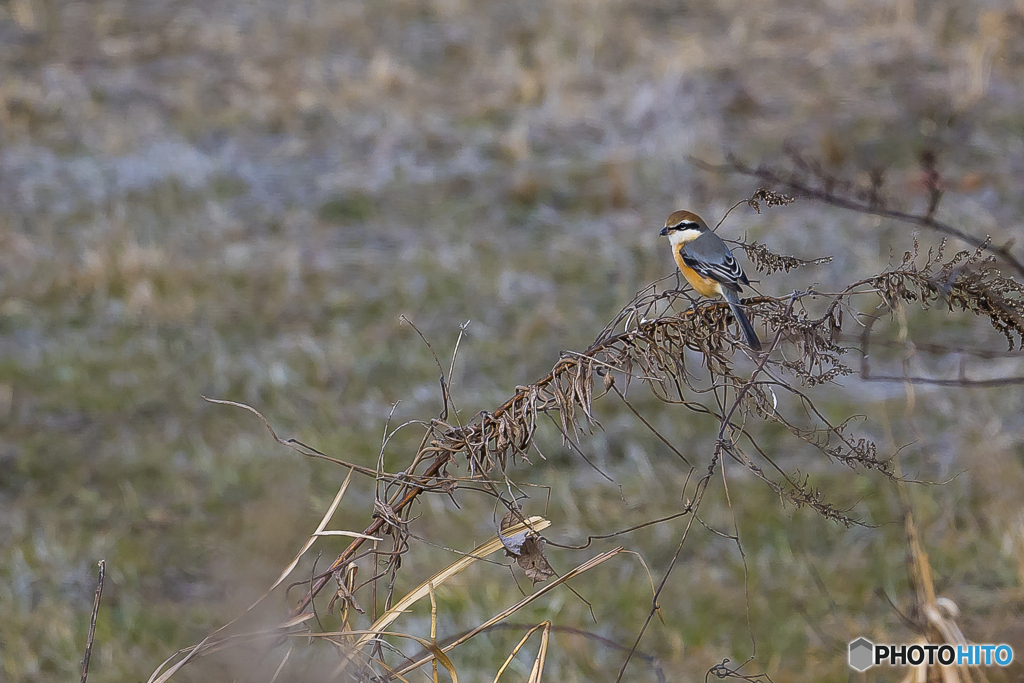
[[741, 318]]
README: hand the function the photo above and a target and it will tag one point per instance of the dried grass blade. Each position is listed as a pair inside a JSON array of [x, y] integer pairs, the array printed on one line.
[[494, 544], [319, 532], [350, 534], [287, 656], [184, 660], [546, 625], [436, 652], [504, 614], [538, 664]]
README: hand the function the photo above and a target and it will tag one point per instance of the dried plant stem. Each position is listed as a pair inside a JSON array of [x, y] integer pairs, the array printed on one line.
[[833, 191], [504, 614], [92, 620], [655, 344]]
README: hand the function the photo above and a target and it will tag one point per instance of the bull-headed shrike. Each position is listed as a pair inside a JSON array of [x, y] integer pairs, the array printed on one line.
[[708, 265]]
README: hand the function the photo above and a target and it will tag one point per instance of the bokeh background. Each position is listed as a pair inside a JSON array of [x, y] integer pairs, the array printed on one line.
[[239, 199]]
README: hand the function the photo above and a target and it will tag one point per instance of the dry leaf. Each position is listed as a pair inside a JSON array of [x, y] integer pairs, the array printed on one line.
[[532, 560], [526, 546]]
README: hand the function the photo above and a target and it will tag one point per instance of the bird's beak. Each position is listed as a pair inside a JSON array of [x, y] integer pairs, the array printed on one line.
[[664, 231]]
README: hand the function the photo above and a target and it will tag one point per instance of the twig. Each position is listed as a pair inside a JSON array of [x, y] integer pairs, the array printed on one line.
[[92, 621], [794, 184]]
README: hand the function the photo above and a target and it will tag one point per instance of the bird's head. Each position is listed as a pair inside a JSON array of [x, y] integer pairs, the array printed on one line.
[[684, 226]]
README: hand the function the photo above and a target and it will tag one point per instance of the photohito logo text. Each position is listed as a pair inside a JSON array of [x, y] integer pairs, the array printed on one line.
[[865, 654]]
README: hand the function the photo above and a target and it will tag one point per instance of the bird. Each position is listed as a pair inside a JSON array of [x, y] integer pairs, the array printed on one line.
[[708, 265]]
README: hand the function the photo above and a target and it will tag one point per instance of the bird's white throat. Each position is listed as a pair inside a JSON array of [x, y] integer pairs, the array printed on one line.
[[680, 237]]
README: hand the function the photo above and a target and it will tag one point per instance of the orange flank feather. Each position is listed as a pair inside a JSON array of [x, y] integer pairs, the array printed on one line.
[[704, 285]]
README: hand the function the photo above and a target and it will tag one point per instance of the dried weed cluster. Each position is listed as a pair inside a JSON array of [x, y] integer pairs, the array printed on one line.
[[968, 281], [686, 353]]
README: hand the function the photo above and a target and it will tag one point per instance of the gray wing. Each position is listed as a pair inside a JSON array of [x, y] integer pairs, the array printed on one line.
[[712, 258]]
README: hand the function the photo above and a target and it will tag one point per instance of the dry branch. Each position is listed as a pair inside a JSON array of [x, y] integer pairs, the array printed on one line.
[[687, 354], [810, 180], [648, 343]]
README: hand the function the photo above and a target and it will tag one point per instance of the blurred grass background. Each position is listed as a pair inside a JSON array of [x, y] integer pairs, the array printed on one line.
[[239, 199]]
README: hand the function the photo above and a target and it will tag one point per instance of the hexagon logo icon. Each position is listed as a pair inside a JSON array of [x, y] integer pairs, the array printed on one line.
[[861, 654]]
